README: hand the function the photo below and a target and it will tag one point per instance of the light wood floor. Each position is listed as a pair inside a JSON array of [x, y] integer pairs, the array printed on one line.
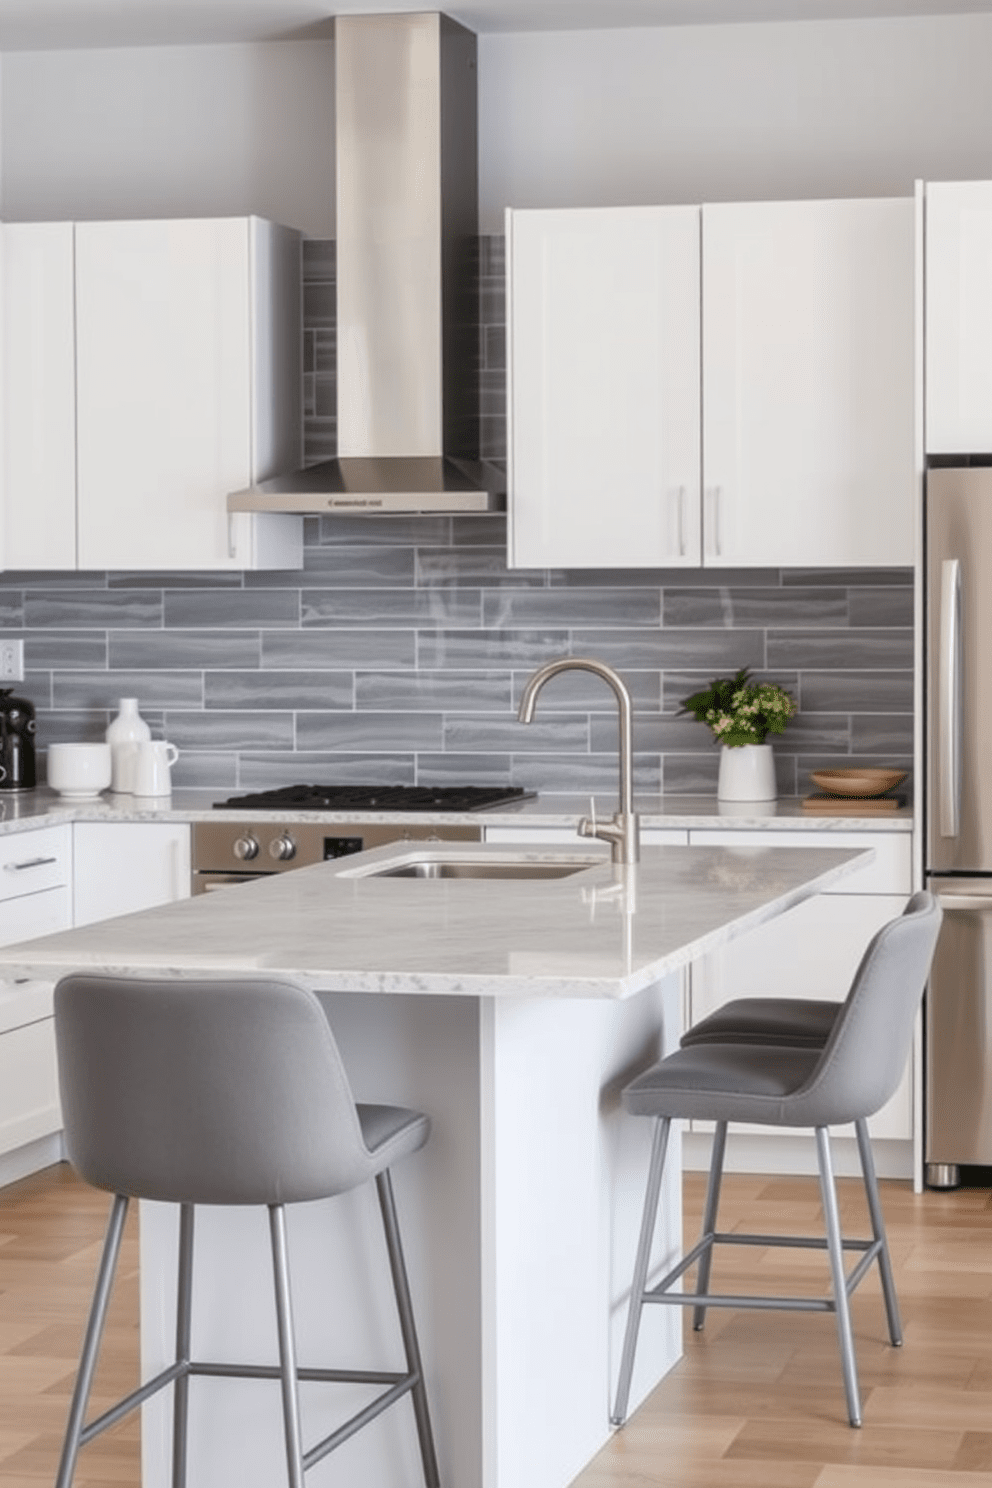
[[756, 1403]]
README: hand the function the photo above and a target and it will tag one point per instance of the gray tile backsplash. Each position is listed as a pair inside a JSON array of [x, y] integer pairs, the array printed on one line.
[[399, 652]]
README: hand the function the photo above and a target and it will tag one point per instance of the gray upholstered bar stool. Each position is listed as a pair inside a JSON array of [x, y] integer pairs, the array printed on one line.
[[224, 1093], [786, 1085]]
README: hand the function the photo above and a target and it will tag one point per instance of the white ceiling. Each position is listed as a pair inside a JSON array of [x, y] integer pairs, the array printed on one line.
[[27, 25]]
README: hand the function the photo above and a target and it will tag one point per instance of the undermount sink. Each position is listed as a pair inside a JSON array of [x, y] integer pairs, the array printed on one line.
[[434, 868], [495, 863]]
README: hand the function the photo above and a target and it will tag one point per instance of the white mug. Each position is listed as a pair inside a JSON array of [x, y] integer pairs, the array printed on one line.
[[79, 771], [153, 761]]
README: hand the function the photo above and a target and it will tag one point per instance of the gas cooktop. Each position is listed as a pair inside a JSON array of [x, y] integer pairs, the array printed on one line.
[[379, 798]]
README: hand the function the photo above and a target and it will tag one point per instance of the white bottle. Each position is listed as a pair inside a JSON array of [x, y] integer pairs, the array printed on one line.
[[124, 734]]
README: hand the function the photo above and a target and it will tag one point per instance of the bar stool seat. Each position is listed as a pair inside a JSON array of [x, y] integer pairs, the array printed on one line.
[[229, 1093], [845, 1079]]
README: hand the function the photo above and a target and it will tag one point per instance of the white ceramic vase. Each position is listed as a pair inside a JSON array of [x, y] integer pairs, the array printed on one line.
[[747, 773], [124, 734]]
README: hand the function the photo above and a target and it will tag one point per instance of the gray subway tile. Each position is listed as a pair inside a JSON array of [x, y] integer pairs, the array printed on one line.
[[319, 259], [324, 767], [736, 609], [179, 579], [884, 733], [329, 649], [230, 731], [720, 578], [104, 689], [37, 688], [92, 609], [290, 691], [479, 566], [464, 769], [65, 650], [693, 774], [155, 649], [197, 609], [857, 650], [195, 770], [678, 685], [847, 577], [386, 528], [564, 773], [890, 605], [476, 650], [373, 732], [71, 725], [488, 692], [390, 607], [823, 732], [11, 609], [651, 733], [485, 530], [468, 733], [357, 567], [568, 607], [718, 652], [572, 690], [857, 692]]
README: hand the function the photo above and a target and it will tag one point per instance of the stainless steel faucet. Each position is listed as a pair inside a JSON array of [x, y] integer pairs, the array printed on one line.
[[622, 831]]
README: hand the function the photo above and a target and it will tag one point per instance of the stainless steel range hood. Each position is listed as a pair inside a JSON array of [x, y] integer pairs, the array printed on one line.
[[407, 303]]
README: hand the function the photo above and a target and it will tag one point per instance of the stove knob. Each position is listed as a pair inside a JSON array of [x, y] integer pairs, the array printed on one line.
[[282, 848], [246, 848]]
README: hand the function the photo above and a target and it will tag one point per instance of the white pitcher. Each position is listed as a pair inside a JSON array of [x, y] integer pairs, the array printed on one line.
[[153, 761]]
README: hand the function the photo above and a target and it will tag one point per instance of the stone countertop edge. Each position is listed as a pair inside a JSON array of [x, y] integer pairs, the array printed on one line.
[[604, 933], [43, 807]]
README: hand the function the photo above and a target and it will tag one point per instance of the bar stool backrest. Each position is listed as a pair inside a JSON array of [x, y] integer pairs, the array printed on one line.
[[863, 1060], [216, 1092]]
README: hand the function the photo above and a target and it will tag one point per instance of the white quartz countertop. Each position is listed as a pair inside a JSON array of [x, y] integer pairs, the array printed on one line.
[[602, 932], [43, 807]]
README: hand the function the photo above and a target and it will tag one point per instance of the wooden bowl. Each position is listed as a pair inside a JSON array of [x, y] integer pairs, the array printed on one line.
[[857, 782]]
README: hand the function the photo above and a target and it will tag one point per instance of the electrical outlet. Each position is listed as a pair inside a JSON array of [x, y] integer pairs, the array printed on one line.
[[11, 661]]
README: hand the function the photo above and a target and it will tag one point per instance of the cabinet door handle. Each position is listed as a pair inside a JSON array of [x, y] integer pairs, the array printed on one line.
[[232, 546], [715, 494], [679, 494], [977, 903], [28, 863]]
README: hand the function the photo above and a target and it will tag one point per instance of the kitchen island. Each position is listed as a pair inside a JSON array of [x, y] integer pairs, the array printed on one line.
[[513, 1011]]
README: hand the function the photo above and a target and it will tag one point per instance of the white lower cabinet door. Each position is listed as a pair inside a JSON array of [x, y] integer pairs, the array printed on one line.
[[29, 1094], [121, 867], [812, 951]]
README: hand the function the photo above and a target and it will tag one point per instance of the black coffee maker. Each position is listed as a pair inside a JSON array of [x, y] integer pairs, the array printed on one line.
[[17, 726]]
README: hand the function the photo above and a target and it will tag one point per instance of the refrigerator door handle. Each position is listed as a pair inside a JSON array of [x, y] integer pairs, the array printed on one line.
[[949, 703], [977, 903]]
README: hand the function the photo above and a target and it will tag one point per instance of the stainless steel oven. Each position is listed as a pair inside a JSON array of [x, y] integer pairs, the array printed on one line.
[[225, 852]]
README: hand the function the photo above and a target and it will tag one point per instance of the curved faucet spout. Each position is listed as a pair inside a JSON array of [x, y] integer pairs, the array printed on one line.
[[623, 832]]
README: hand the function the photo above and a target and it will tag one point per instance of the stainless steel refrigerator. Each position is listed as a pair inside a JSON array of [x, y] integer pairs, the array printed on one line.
[[958, 812]]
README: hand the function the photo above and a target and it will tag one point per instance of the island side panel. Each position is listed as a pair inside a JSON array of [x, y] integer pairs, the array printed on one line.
[[564, 1171], [416, 1051]]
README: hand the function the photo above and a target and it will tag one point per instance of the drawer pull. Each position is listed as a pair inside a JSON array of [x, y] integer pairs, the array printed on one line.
[[28, 863]]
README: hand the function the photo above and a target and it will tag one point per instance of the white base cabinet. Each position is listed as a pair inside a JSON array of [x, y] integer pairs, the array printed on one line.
[[149, 369], [121, 867]]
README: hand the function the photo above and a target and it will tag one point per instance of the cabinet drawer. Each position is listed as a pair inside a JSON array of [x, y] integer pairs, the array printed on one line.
[[29, 1096], [889, 873], [34, 914], [30, 861]]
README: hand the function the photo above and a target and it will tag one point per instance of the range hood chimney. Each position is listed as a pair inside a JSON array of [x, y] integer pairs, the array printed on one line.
[[407, 304]]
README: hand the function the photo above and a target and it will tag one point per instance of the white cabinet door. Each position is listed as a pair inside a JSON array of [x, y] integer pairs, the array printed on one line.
[[39, 409], [808, 383], [603, 327], [958, 317], [120, 867], [175, 391]]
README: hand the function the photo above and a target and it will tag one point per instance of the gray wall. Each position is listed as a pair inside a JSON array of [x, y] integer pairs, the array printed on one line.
[[399, 653]]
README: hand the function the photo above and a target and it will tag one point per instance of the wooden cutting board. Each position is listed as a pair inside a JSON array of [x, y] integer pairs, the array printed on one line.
[[829, 805]]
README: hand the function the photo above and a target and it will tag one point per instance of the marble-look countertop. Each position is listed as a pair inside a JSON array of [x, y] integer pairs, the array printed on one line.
[[604, 932], [43, 807]]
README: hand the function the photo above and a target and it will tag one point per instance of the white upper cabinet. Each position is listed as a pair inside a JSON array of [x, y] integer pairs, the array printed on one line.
[[603, 327], [38, 515], [185, 386], [804, 416], [808, 383], [958, 317]]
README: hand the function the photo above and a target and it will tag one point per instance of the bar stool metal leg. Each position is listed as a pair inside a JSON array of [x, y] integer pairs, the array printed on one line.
[[401, 1288], [91, 1343], [709, 1220], [878, 1232], [835, 1247], [287, 1346], [184, 1312], [659, 1147]]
